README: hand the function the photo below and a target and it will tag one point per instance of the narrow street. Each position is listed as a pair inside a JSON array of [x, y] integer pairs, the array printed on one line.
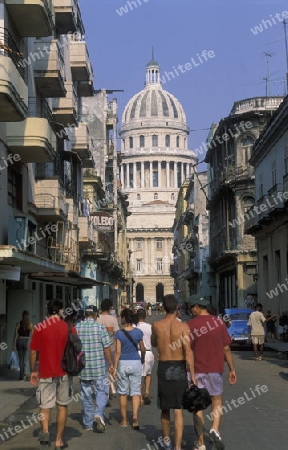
[[254, 419]]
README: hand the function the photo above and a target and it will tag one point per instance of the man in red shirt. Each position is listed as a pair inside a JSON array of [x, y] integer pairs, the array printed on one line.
[[53, 384], [210, 343]]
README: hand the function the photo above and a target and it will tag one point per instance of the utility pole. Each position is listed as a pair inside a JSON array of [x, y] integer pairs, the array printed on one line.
[[286, 49]]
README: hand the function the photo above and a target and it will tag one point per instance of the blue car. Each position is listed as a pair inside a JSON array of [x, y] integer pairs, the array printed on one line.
[[237, 325]]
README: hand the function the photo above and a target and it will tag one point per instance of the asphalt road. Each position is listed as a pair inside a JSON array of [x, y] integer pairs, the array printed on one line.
[[255, 417]]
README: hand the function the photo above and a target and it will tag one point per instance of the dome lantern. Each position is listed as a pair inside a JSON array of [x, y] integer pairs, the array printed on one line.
[[152, 71]]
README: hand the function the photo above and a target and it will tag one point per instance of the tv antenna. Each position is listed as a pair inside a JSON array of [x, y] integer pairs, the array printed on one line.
[[286, 49], [267, 79]]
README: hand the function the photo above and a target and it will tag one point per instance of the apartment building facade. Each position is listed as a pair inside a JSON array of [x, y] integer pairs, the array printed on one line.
[[47, 151], [191, 241], [231, 192], [267, 219]]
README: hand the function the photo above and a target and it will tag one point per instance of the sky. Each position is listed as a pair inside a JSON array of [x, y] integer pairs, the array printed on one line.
[[120, 47]]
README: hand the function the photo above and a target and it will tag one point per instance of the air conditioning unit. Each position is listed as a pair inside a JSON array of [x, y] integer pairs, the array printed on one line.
[[22, 234]]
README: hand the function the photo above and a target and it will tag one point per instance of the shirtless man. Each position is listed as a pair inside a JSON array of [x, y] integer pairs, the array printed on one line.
[[175, 359]]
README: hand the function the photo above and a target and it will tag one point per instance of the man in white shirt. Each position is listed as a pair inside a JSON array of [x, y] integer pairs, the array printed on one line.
[[146, 328], [256, 323]]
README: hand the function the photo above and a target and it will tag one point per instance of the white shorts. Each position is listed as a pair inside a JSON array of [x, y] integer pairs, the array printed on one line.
[[148, 364]]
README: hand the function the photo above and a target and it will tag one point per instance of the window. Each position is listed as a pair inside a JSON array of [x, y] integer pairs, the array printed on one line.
[[155, 174], [142, 141], [15, 189], [286, 160], [155, 196], [172, 196], [167, 140], [159, 265], [123, 144], [278, 265], [247, 144], [138, 197], [154, 140], [138, 244], [139, 265], [130, 142], [177, 141], [159, 244]]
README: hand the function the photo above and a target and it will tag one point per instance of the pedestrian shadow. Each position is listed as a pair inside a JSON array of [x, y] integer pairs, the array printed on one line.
[[70, 432], [284, 375]]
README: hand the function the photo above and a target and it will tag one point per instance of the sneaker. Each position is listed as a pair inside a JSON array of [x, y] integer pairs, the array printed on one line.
[[168, 445], [260, 358], [86, 428], [44, 440], [215, 438], [99, 424]]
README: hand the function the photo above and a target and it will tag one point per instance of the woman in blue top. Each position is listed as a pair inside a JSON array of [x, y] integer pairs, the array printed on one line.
[[128, 365]]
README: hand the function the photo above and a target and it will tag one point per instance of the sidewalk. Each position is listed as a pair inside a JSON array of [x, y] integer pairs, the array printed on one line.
[[277, 346]]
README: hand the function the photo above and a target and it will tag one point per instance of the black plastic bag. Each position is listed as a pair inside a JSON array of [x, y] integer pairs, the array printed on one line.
[[196, 399]]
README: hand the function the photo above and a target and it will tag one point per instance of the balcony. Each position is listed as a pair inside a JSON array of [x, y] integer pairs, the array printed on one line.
[[251, 223], [276, 199], [50, 200], [33, 139], [33, 18], [80, 62], [85, 88], [66, 16], [65, 108], [13, 89], [80, 140], [49, 72], [86, 232], [256, 104]]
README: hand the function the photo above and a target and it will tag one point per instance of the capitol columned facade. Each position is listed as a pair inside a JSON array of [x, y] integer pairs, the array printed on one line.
[[155, 163]]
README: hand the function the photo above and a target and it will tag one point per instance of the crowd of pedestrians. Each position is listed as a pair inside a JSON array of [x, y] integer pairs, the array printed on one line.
[[120, 355]]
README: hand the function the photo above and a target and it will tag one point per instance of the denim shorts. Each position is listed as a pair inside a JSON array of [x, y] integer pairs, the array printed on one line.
[[129, 375], [213, 382]]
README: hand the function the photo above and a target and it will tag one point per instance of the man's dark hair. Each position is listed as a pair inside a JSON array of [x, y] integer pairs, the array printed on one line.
[[170, 303], [259, 306], [106, 304], [54, 306], [141, 314]]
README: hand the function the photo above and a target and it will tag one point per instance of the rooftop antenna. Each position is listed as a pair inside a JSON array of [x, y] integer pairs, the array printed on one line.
[[152, 52], [286, 48], [267, 79]]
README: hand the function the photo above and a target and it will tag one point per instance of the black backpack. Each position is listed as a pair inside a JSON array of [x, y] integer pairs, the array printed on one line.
[[73, 360]]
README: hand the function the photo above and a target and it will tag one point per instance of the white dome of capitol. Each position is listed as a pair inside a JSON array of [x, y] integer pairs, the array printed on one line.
[[152, 104]]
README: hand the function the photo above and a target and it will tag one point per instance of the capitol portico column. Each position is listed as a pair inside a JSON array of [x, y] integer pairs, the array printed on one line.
[[182, 172], [142, 184], [151, 174], [134, 176], [122, 176], [167, 174], [166, 256], [187, 170], [175, 174], [152, 260], [145, 253], [159, 174], [127, 176]]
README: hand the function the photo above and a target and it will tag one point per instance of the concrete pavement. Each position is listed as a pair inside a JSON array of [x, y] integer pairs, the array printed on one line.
[[255, 418]]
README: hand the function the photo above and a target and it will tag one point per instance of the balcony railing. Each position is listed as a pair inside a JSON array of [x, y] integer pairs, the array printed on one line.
[[258, 103], [9, 48], [39, 108]]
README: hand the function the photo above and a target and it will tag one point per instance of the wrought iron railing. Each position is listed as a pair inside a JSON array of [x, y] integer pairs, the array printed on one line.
[[8, 47]]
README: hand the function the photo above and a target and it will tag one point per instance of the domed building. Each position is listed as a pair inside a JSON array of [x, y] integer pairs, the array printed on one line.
[[155, 163]]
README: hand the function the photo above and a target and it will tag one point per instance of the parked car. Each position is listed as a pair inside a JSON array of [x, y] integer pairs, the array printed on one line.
[[237, 325], [138, 305]]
